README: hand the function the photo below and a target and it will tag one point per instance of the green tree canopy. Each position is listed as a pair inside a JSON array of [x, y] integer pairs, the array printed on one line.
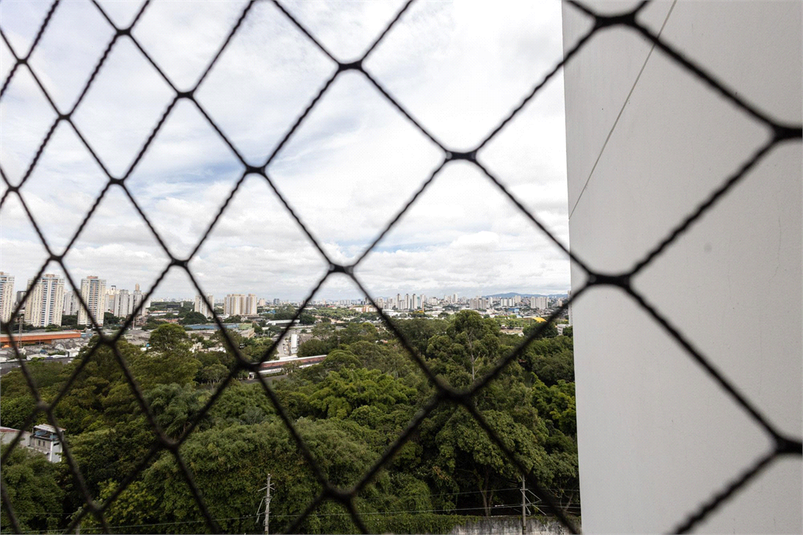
[[470, 341], [168, 337], [419, 331], [546, 331], [30, 481], [343, 391], [192, 318]]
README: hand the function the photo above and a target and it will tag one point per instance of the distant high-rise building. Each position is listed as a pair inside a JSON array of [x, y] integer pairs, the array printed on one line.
[[6, 296], [479, 303], [70, 304], [234, 305], [250, 308], [200, 306], [140, 297], [136, 300], [123, 304], [93, 292], [45, 301], [109, 303]]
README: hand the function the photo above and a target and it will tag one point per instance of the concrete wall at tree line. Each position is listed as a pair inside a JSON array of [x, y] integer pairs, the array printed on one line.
[[509, 526], [657, 437]]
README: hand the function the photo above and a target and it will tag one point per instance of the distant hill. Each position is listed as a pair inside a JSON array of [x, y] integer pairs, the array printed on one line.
[[508, 295]]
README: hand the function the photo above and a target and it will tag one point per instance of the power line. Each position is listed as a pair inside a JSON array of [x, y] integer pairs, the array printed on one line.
[[291, 516]]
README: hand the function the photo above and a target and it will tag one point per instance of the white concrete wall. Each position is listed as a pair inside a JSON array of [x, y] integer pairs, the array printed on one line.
[[506, 525], [646, 143]]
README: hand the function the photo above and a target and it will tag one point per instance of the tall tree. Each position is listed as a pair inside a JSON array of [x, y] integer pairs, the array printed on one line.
[[470, 340], [30, 481]]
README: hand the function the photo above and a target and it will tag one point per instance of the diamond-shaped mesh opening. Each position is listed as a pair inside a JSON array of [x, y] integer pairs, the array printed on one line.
[[20, 234], [181, 179], [765, 333], [66, 55], [528, 156], [462, 103], [260, 258], [24, 25], [107, 243], [266, 41], [118, 112], [182, 38], [359, 174], [65, 165], [25, 124], [170, 428]]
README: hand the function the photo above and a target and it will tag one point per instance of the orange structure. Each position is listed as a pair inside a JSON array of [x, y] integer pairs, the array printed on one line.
[[39, 338]]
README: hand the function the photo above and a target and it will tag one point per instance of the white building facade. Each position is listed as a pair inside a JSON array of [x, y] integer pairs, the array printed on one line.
[[647, 143], [200, 305], [136, 300], [45, 440], [45, 301], [240, 305], [122, 304], [6, 296], [70, 304], [250, 305], [93, 292]]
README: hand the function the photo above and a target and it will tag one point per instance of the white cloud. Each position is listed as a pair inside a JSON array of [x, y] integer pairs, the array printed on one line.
[[183, 37], [345, 29], [64, 65], [263, 80], [463, 236], [122, 106], [21, 21], [26, 117], [459, 68]]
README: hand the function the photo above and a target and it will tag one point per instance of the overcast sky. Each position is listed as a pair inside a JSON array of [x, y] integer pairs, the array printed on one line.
[[457, 67]]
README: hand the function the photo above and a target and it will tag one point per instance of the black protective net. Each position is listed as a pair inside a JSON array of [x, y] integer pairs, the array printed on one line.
[[628, 21]]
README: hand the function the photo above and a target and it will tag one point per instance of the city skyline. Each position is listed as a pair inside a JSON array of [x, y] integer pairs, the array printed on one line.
[[47, 301], [130, 299], [349, 168]]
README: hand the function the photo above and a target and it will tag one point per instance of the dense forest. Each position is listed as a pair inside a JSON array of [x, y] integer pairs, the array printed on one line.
[[348, 410]]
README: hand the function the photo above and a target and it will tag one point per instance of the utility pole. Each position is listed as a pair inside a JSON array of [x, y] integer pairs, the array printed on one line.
[[267, 507], [266, 500], [523, 507]]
